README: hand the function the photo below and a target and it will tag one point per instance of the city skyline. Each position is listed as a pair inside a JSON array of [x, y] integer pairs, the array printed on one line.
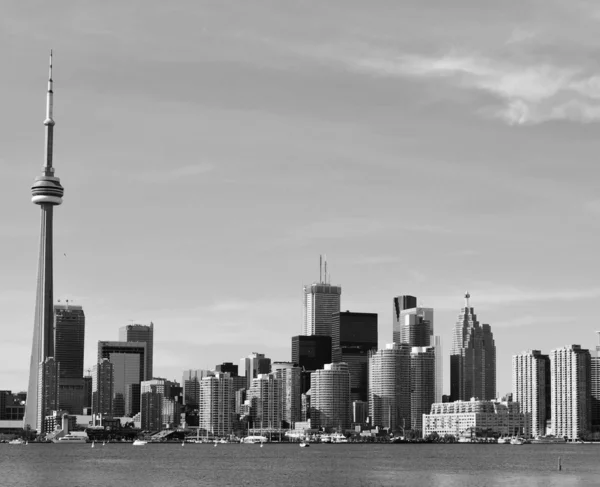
[[323, 112]]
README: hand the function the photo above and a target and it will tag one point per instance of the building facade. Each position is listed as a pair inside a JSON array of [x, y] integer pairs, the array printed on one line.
[[321, 303], [103, 388], [289, 377], [265, 404], [400, 303], [570, 377], [531, 387], [390, 387], [422, 378], [472, 358], [145, 334], [49, 380], [595, 388], [215, 408], [254, 365], [161, 404], [416, 327], [485, 418], [330, 398]]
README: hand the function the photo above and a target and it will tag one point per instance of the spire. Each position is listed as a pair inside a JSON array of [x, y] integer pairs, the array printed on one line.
[[467, 296], [49, 122]]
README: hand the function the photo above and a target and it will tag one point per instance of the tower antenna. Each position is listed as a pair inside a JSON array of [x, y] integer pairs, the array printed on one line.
[[320, 268], [325, 268]]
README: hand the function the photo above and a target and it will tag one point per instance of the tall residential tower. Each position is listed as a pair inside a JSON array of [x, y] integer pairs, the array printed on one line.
[[46, 192]]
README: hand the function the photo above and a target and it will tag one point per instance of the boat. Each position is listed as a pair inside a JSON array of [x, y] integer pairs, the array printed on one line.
[[304, 444], [338, 438], [254, 439], [516, 441], [139, 442], [547, 440], [17, 441], [503, 441], [72, 438]]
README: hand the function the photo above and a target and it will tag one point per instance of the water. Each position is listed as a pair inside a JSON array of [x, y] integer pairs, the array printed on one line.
[[278, 465]]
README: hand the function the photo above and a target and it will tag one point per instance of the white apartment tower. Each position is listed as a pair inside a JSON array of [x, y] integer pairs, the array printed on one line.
[[330, 397], [571, 387], [422, 380], [265, 404], [215, 405], [531, 387], [290, 391], [595, 387], [389, 386]]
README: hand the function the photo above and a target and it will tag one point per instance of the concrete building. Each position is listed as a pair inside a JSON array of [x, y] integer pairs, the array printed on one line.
[[439, 368], [416, 327], [288, 375], [69, 341], [215, 407], [422, 378], [144, 334], [330, 398], [488, 418], [49, 380], [400, 304], [254, 365], [390, 386], [129, 362], [265, 403], [46, 192], [357, 337], [570, 369], [191, 385], [531, 387], [103, 388], [595, 388], [161, 404], [472, 358]]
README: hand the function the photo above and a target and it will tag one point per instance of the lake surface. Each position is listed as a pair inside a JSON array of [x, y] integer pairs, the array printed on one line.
[[276, 465]]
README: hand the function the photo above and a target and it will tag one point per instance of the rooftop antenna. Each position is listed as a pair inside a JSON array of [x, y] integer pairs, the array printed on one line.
[[598, 333], [320, 268], [325, 268], [467, 296]]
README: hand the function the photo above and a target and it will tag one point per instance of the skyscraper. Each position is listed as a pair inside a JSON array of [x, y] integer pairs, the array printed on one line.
[[401, 303], [69, 338], [263, 396], [595, 387], [311, 352], [141, 333], [129, 362], [288, 376], [530, 385], [389, 386], [416, 327], [161, 402], [357, 337], [571, 387], [102, 388], [255, 364], [191, 385], [472, 358], [439, 368], [215, 407], [330, 397], [422, 380], [321, 302], [46, 192]]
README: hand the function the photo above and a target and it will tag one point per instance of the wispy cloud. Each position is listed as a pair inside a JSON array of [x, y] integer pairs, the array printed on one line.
[[528, 93]]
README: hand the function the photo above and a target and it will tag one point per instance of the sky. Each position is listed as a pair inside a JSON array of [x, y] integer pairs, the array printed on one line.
[[212, 150]]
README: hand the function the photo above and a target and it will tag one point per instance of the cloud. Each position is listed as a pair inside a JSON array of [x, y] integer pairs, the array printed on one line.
[[173, 174], [528, 93]]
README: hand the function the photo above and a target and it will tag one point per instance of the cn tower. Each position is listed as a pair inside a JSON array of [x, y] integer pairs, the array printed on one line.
[[46, 192]]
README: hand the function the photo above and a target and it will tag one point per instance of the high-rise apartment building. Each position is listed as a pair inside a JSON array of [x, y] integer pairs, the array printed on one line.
[[129, 369], [103, 388], [145, 334], [357, 337], [330, 398], [416, 327], [254, 365], [49, 378], [215, 406], [571, 391], [69, 340], [161, 403], [531, 387], [265, 404], [390, 386], [595, 387], [400, 304], [472, 358], [321, 302], [422, 379], [46, 192], [289, 378]]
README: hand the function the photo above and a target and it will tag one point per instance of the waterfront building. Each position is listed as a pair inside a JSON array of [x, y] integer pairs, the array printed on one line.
[[69, 340], [191, 385], [129, 362], [472, 358], [47, 192], [49, 379], [531, 387], [488, 418], [595, 388], [416, 326], [254, 365], [103, 388], [422, 378], [400, 304], [289, 376], [357, 337], [321, 302], [265, 404], [330, 397], [571, 391], [215, 408], [389, 387], [145, 334], [161, 403]]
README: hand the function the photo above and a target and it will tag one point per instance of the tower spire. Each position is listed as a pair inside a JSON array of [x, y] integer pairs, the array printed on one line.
[[467, 296], [49, 122]]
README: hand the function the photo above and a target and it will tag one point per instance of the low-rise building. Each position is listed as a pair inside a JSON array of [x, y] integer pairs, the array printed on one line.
[[494, 418]]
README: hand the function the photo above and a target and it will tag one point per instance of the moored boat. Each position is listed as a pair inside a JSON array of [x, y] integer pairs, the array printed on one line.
[[139, 442], [17, 441], [547, 440], [304, 444], [74, 437]]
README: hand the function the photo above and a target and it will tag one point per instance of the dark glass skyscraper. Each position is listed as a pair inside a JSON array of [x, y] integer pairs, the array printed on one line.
[[400, 304], [69, 339], [141, 333]]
